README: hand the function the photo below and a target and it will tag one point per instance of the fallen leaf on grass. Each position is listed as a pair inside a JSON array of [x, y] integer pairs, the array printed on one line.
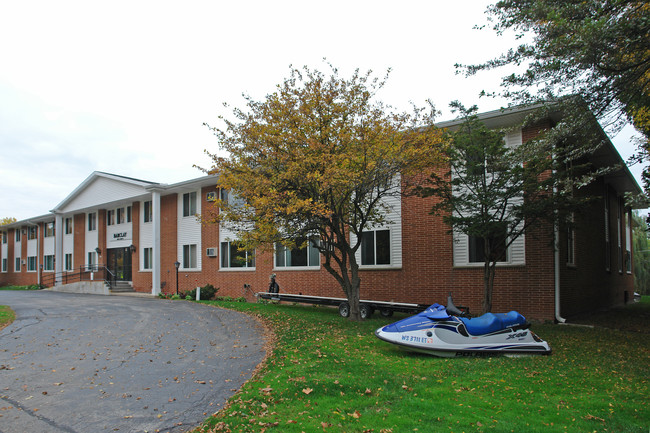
[[307, 390]]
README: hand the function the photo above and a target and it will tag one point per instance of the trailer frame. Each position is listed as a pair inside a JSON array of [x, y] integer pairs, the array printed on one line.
[[366, 307]]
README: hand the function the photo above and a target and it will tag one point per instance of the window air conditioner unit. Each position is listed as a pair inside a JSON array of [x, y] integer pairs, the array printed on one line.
[[211, 252], [22, 262], [212, 196]]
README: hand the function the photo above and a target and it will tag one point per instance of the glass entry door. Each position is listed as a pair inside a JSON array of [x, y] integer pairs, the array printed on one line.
[[119, 263]]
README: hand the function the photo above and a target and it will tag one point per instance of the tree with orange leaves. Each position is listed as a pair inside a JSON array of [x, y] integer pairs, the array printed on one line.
[[314, 163]]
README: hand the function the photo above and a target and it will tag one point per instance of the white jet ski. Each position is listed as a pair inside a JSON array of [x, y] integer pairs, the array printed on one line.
[[449, 332]]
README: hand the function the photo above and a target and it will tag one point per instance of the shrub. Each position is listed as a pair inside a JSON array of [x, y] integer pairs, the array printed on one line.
[[241, 299], [175, 297], [207, 292]]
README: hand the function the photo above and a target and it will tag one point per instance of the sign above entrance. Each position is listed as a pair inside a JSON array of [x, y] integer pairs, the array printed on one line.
[[119, 236]]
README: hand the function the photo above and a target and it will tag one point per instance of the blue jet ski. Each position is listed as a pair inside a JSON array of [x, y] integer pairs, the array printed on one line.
[[450, 332]]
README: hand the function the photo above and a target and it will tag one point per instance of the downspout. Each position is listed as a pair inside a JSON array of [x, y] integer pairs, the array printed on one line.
[[556, 254], [556, 259]]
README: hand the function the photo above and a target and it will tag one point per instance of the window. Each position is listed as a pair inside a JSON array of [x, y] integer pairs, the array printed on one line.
[[68, 226], [4, 265], [110, 217], [92, 260], [4, 237], [121, 219], [31, 233], [48, 263], [31, 264], [298, 257], [128, 214], [147, 213], [49, 230], [68, 262], [17, 265], [233, 257], [189, 256], [189, 204], [497, 245], [17, 234], [92, 222], [147, 259], [375, 247]]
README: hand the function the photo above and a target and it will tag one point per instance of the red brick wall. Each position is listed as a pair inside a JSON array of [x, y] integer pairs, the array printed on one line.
[[79, 245]]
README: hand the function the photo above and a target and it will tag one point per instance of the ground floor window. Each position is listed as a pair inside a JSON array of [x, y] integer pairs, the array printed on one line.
[[17, 266], [375, 247], [91, 261], [298, 257], [147, 259], [233, 257], [4, 265], [68, 262], [31, 264], [497, 245], [48, 263], [189, 256]]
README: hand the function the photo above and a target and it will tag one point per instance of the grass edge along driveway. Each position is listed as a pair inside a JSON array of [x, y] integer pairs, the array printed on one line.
[[329, 374]]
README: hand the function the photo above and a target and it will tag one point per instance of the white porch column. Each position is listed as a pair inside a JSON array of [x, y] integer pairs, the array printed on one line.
[[58, 249], [155, 265]]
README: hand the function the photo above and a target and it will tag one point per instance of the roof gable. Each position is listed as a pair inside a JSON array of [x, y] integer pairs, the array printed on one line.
[[101, 189]]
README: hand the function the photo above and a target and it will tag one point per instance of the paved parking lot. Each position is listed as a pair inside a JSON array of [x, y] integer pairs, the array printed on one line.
[[91, 363]]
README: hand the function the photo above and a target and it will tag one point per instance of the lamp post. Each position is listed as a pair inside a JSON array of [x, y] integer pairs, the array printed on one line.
[[177, 264]]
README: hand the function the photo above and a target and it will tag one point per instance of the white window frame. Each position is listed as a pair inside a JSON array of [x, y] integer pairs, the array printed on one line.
[[48, 263], [49, 230], [190, 259], [32, 264], [91, 221], [189, 205], [147, 212], [5, 264], [147, 259], [17, 264], [282, 255], [68, 226], [68, 262], [374, 233], [225, 248]]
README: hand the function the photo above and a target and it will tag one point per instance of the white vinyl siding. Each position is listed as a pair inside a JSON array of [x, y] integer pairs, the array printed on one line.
[[393, 205], [146, 236], [189, 230], [516, 253], [91, 240]]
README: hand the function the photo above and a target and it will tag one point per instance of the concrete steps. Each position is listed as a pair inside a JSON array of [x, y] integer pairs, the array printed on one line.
[[122, 287]]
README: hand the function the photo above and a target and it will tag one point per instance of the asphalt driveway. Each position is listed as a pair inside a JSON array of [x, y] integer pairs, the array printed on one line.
[[90, 363]]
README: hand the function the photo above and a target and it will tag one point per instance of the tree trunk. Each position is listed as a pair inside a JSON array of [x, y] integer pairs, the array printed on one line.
[[489, 269]]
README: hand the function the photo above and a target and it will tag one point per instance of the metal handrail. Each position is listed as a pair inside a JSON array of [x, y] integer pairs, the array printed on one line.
[[83, 274]]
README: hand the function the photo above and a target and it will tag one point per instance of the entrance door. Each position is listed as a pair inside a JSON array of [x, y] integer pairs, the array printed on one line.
[[119, 263]]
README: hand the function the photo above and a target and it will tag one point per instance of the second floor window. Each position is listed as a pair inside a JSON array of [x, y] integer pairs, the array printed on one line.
[[189, 204]]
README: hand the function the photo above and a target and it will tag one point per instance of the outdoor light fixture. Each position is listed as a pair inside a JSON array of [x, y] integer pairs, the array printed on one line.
[[177, 264], [132, 248], [98, 251]]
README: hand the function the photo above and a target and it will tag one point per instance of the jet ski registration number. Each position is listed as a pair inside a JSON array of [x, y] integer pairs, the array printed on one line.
[[416, 339]]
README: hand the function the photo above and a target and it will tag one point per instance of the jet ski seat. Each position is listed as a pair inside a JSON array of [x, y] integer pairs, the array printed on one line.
[[491, 322]]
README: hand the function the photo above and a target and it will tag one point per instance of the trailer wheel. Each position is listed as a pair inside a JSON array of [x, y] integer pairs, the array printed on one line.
[[344, 309], [365, 311], [386, 313]]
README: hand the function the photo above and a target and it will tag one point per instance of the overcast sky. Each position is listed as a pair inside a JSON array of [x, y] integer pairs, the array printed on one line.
[[125, 86]]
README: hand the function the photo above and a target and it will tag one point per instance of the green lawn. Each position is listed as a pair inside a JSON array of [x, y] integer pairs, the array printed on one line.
[[6, 316], [32, 287], [326, 373]]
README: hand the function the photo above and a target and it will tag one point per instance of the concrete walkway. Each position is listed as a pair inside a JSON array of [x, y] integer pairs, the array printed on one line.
[[92, 363]]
